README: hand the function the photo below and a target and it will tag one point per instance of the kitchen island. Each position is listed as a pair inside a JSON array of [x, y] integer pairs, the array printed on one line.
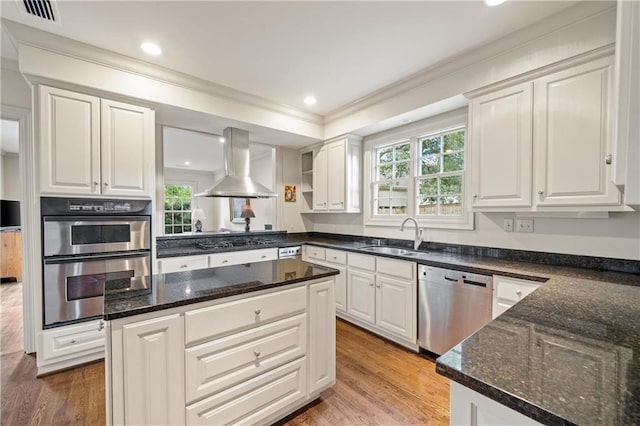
[[246, 343]]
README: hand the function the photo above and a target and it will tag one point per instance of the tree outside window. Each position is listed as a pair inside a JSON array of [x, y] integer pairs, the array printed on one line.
[[177, 208], [392, 175]]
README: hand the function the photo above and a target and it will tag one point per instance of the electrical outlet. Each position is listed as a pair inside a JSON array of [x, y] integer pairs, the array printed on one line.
[[507, 225], [524, 225]]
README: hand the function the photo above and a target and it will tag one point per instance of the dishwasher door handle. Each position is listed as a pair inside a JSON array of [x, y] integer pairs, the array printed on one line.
[[479, 284], [451, 279]]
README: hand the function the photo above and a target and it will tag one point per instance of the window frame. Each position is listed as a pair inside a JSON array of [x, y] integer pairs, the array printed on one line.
[[413, 132], [164, 211]]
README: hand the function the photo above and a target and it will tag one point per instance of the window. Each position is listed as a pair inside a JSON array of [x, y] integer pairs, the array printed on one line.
[[419, 170], [177, 208]]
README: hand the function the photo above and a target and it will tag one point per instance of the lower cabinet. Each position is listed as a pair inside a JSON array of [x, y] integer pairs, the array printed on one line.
[[190, 263], [394, 301], [361, 295], [63, 347], [508, 291], [249, 359]]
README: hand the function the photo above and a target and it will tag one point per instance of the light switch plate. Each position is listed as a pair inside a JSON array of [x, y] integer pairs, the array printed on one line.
[[507, 225], [524, 225]]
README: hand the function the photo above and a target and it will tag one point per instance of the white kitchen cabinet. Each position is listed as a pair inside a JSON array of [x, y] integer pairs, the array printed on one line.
[[394, 301], [182, 263], [93, 146], [313, 254], [322, 336], [501, 126], [542, 144], [153, 382], [63, 347], [338, 260], [508, 291], [320, 186], [242, 256], [361, 295], [336, 176], [572, 136], [469, 408]]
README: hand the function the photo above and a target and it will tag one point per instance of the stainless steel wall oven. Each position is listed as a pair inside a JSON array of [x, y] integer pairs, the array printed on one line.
[[87, 245]]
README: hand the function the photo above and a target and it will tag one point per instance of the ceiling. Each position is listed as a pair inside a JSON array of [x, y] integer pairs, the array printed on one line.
[[9, 136], [204, 152], [283, 51]]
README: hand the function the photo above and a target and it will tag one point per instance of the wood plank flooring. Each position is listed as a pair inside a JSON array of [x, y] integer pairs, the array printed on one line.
[[378, 383]]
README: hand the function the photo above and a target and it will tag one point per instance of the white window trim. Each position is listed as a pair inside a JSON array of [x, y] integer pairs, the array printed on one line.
[[182, 182], [413, 131]]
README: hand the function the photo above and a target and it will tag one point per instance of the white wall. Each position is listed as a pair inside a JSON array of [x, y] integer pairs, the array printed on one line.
[[15, 90], [288, 172], [10, 175]]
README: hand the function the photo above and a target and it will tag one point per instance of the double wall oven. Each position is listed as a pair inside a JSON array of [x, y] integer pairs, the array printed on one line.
[[90, 246]]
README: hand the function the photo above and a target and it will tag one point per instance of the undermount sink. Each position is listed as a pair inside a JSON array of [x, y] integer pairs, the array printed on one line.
[[389, 250]]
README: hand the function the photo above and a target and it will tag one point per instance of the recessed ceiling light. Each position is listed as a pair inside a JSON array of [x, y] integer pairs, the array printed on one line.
[[494, 2], [151, 48], [310, 100], [187, 163]]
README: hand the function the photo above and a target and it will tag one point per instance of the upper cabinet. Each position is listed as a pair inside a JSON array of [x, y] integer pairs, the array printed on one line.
[[331, 177], [544, 144], [93, 146]]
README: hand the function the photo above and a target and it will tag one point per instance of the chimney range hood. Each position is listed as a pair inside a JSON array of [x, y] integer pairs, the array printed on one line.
[[236, 183]]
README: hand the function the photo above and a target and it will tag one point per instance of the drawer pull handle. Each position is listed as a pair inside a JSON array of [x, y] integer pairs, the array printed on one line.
[[225, 261], [257, 311], [183, 266], [100, 325], [73, 340], [256, 353], [264, 256]]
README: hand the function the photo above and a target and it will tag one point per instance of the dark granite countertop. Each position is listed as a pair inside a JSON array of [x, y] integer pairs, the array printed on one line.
[[569, 353], [184, 288]]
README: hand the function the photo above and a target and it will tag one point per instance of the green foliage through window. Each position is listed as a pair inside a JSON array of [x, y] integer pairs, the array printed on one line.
[[177, 208]]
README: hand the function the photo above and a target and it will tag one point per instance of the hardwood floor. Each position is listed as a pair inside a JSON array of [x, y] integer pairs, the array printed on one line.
[[378, 383]]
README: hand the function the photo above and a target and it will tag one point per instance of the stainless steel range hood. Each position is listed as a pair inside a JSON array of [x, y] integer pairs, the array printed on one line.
[[237, 183]]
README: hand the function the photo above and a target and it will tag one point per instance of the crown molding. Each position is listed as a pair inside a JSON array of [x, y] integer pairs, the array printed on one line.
[[25, 35], [519, 39]]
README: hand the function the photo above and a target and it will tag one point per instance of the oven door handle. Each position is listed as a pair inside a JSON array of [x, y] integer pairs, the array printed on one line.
[[96, 257]]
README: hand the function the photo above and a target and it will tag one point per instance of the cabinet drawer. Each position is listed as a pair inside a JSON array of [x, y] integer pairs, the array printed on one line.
[[336, 256], [239, 257], [184, 263], [396, 268], [362, 261], [315, 253], [207, 323], [224, 362], [261, 397], [71, 340], [512, 289]]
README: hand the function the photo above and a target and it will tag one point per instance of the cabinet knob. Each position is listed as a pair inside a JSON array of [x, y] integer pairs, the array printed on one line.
[[264, 256], [257, 311], [256, 353], [540, 192], [95, 183], [183, 266], [370, 284], [377, 285], [225, 261], [607, 159], [106, 184], [73, 340], [475, 195], [519, 293], [100, 325]]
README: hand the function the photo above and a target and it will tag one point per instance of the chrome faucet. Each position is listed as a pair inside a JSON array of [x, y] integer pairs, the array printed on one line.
[[417, 239]]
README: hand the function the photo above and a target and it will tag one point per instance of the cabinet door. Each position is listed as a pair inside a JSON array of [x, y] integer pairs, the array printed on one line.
[[153, 371], [340, 287], [322, 336], [509, 291], [501, 140], [396, 306], [320, 180], [361, 295], [336, 173], [69, 142], [127, 134], [572, 136]]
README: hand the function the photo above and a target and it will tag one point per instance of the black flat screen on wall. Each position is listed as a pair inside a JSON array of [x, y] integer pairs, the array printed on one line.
[[9, 213]]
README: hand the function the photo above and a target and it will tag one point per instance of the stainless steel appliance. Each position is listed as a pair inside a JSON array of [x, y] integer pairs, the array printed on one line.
[[289, 252], [452, 305], [90, 245]]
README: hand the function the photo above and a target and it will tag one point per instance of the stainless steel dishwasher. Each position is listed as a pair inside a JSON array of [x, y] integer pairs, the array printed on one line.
[[452, 305]]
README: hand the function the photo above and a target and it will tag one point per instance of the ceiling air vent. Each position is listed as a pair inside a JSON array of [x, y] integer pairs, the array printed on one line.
[[44, 9]]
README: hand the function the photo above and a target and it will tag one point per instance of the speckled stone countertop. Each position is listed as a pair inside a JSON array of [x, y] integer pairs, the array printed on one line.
[[569, 353], [184, 288]]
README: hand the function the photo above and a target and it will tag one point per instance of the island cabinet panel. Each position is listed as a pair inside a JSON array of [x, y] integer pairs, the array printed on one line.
[[205, 323], [153, 390], [220, 363], [254, 400], [322, 320]]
